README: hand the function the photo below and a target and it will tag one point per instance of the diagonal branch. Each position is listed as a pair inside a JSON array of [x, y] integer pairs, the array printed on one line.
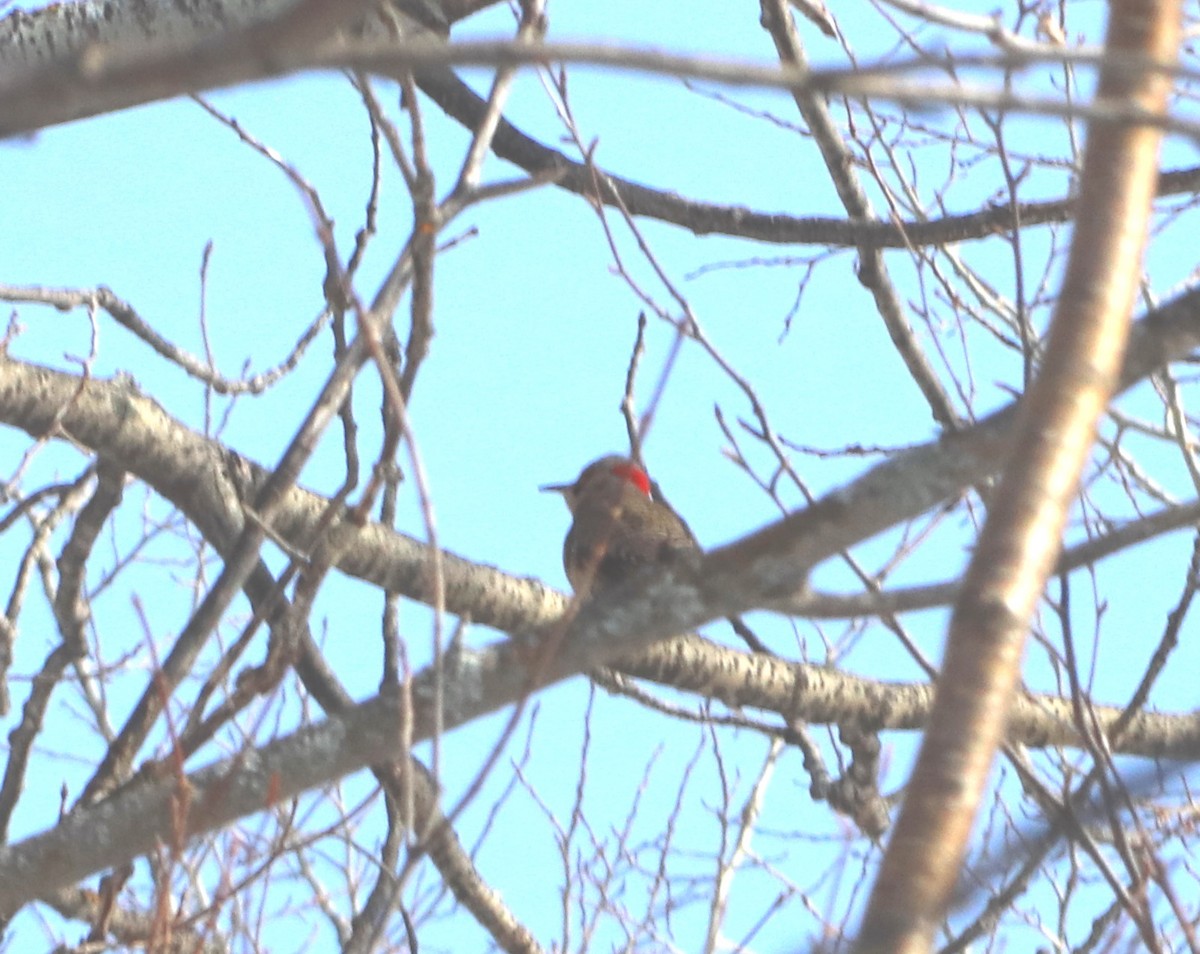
[[872, 273], [1020, 541]]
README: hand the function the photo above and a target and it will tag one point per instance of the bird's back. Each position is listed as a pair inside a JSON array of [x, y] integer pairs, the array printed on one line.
[[614, 536]]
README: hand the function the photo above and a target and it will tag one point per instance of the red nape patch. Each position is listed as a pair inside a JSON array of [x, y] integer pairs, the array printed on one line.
[[635, 475]]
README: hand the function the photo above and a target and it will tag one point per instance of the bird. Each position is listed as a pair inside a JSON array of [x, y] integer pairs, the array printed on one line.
[[619, 527], [622, 524]]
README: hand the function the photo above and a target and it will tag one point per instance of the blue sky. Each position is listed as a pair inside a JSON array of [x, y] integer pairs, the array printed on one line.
[[522, 387]]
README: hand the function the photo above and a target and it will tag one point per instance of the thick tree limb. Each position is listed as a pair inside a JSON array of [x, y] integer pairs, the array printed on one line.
[[1021, 538], [209, 484]]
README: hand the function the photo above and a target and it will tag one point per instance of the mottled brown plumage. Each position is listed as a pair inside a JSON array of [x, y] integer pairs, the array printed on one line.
[[619, 528], [622, 526]]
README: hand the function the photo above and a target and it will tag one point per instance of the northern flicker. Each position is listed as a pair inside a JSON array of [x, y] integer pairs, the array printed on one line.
[[619, 527], [622, 525]]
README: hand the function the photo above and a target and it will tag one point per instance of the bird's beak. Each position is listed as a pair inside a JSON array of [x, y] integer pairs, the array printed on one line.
[[555, 488]]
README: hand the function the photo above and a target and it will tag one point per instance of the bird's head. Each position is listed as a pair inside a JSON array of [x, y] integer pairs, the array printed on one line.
[[608, 476]]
